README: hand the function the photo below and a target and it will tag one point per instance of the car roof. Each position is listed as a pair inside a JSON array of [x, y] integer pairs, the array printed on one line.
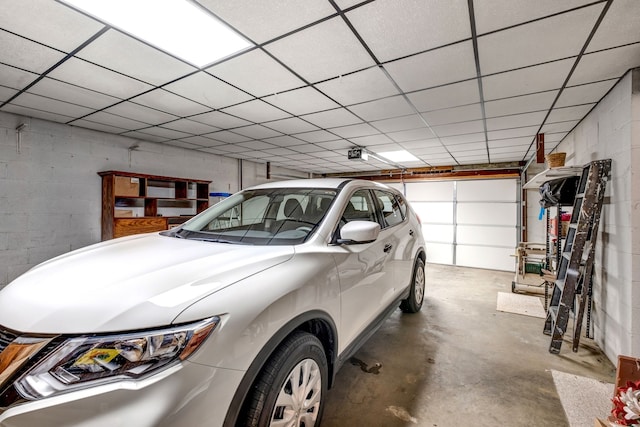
[[328, 183]]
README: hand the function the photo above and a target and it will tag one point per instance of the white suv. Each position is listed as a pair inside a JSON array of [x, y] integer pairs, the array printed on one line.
[[241, 316]]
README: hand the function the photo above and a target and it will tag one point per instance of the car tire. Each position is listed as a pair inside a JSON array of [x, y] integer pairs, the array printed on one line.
[[276, 396], [413, 303]]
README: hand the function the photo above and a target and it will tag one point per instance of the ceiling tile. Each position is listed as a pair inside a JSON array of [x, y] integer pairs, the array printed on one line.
[[446, 96], [144, 136], [32, 112], [115, 120], [584, 94], [510, 143], [93, 77], [514, 12], [280, 151], [241, 72], [219, 120], [6, 93], [411, 135], [140, 113], [228, 137], [165, 133], [284, 141], [383, 108], [257, 132], [171, 103], [478, 147], [412, 121], [190, 127], [325, 50], [569, 113], [70, 93], [538, 78], [124, 54], [42, 103], [264, 20], [529, 131], [317, 136], [301, 101], [202, 141], [429, 150], [291, 125], [368, 140], [38, 58], [306, 148], [437, 67], [335, 145], [366, 85], [332, 118], [207, 90], [520, 104], [516, 120], [256, 111], [14, 77], [603, 65], [83, 123], [255, 145], [459, 128], [232, 148], [559, 126], [453, 115], [557, 37], [395, 28], [463, 139], [434, 144], [181, 144], [619, 26], [62, 27], [354, 131]]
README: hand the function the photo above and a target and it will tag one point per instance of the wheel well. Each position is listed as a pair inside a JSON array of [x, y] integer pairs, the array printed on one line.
[[325, 334], [423, 256], [316, 323]]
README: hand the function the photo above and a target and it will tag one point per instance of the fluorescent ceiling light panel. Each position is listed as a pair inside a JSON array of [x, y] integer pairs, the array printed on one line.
[[399, 156], [178, 27]]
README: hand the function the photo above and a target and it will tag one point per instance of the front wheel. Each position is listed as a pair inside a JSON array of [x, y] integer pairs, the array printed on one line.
[[413, 303], [292, 385]]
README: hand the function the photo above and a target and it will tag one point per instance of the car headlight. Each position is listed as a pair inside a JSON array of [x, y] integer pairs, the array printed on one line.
[[87, 361]]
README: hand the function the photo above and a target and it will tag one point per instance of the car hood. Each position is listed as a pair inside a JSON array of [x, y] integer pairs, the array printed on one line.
[[129, 283]]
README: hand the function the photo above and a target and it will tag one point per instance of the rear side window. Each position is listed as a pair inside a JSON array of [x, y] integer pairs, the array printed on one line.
[[390, 208]]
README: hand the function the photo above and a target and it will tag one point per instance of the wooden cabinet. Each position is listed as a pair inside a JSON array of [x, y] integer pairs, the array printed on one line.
[[135, 203]]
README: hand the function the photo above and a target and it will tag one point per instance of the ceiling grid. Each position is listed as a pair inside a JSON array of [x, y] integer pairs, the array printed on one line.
[[453, 82]]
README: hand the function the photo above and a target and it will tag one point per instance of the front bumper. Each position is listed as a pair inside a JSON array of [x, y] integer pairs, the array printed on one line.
[[186, 395]]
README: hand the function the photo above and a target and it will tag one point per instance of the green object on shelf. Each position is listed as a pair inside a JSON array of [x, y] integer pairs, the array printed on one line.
[[533, 268]]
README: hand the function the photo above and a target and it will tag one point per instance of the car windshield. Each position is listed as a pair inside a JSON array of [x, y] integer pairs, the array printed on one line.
[[281, 216]]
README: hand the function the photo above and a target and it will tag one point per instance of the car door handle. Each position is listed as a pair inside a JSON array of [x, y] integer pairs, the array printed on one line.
[[388, 247]]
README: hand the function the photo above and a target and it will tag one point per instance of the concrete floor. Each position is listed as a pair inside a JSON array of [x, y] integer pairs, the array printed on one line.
[[459, 362]]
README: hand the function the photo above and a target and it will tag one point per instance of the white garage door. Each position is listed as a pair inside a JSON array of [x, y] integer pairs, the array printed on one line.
[[471, 223]]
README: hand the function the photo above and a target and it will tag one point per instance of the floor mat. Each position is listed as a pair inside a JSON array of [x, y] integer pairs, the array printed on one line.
[[520, 304], [582, 398]]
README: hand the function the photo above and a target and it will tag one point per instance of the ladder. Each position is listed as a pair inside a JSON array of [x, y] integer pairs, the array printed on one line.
[[576, 261]]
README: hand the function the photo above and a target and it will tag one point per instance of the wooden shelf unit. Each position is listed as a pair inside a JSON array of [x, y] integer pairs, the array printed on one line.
[[134, 203]]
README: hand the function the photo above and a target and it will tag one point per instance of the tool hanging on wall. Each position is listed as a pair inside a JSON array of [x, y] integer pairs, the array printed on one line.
[[576, 262]]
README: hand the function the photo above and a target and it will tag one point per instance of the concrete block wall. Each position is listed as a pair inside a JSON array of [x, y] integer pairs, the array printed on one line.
[[50, 192], [612, 130]]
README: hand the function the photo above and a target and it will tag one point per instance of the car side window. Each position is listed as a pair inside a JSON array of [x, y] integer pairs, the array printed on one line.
[[360, 207], [389, 207]]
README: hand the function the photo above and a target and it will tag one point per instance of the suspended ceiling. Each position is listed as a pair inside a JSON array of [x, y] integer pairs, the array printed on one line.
[[454, 82]]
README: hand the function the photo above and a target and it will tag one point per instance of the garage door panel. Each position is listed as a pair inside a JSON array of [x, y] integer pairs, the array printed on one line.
[[479, 235], [439, 253], [439, 191], [434, 212], [439, 233], [504, 190], [487, 213], [485, 257]]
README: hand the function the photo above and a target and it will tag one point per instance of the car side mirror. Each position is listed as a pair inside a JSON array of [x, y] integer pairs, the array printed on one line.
[[359, 232]]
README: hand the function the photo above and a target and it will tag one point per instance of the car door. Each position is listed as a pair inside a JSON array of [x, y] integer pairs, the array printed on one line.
[[363, 270], [398, 237]]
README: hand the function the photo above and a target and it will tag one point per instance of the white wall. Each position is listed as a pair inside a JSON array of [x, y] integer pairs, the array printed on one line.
[[612, 130], [50, 192]]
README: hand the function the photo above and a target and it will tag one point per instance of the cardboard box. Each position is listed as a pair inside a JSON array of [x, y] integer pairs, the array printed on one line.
[[126, 186], [123, 213], [628, 370]]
